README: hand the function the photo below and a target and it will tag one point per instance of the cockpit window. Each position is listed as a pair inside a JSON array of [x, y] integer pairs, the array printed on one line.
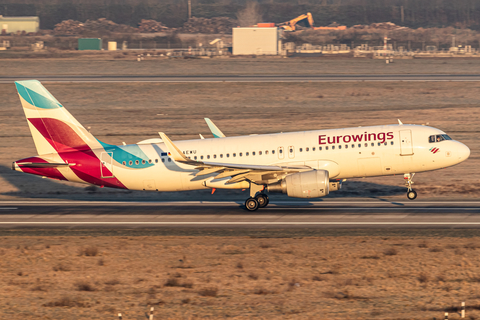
[[438, 138]]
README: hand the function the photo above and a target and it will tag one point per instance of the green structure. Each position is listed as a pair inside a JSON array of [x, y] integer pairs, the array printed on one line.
[[89, 44], [19, 24]]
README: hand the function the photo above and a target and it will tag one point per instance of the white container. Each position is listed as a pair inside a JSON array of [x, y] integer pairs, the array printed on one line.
[[112, 45]]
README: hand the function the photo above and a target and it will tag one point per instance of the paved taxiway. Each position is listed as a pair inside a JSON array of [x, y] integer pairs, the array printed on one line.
[[246, 78], [281, 214]]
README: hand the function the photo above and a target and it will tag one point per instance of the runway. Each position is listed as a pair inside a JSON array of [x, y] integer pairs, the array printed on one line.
[[281, 214], [246, 78]]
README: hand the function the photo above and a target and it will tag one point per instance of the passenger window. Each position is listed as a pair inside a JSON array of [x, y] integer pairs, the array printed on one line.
[[353, 146], [306, 149], [195, 157], [201, 157], [137, 162], [124, 163], [169, 159], [366, 144], [208, 156], [326, 148], [266, 151], [273, 151], [234, 155], [301, 149], [386, 143], [373, 144], [163, 159], [319, 148], [391, 142], [339, 147], [333, 147], [259, 153], [346, 146], [379, 144], [246, 154], [228, 155], [240, 154], [359, 145], [291, 150], [253, 153], [214, 156], [156, 160], [143, 161], [313, 149], [221, 155], [281, 151]]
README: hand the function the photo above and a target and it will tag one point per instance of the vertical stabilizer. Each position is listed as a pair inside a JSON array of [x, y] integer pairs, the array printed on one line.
[[53, 128]]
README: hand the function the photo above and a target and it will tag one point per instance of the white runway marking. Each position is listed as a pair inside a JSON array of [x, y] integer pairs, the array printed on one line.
[[234, 223], [8, 208]]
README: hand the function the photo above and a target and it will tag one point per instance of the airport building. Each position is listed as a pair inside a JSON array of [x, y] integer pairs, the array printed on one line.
[[256, 40], [19, 24]]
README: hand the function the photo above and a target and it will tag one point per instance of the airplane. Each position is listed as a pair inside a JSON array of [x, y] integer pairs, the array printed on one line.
[[307, 164]]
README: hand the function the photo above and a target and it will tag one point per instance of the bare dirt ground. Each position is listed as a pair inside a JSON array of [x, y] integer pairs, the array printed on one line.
[[274, 275], [115, 64], [132, 112]]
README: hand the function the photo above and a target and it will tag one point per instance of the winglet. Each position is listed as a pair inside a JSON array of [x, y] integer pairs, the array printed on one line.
[[399, 122], [215, 131], [175, 153]]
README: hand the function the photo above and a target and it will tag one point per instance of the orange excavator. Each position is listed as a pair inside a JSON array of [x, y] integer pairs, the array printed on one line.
[[307, 18], [291, 25]]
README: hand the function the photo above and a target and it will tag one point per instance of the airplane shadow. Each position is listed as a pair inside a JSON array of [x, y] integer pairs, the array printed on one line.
[[26, 186]]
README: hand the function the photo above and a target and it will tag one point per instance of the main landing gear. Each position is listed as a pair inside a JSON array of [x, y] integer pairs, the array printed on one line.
[[411, 194], [257, 199]]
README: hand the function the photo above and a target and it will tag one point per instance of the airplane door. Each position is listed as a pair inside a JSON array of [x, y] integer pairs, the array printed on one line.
[[406, 145], [291, 152], [281, 154], [106, 164]]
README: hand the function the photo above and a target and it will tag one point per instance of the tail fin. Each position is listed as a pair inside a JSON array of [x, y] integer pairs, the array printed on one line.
[[53, 128]]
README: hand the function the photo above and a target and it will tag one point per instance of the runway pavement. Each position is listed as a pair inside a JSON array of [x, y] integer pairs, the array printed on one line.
[[282, 214], [246, 78]]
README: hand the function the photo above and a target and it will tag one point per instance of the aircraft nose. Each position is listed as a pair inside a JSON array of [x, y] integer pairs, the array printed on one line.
[[463, 152]]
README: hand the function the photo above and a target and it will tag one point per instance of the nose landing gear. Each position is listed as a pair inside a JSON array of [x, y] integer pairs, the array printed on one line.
[[411, 194]]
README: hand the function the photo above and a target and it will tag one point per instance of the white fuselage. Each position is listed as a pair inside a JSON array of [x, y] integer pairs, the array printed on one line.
[[345, 153]]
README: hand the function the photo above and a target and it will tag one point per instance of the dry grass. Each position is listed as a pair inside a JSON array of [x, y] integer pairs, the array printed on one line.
[[390, 252], [66, 301], [208, 292], [309, 277], [84, 285], [90, 251]]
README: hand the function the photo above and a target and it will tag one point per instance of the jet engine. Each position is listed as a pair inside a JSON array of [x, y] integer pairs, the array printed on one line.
[[309, 184]]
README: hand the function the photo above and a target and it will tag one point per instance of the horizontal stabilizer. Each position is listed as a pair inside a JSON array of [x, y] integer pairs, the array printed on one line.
[[44, 165]]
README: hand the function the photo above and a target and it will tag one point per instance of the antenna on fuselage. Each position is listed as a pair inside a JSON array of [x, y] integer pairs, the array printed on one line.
[[399, 122]]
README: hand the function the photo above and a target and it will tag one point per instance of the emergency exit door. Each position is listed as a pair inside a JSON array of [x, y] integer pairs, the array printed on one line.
[[406, 144]]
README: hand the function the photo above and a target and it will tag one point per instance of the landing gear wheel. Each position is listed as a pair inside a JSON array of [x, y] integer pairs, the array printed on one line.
[[251, 204], [411, 194], [262, 200]]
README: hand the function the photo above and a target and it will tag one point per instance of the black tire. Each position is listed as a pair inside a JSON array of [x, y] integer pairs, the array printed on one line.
[[262, 200], [251, 204], [411, 195]]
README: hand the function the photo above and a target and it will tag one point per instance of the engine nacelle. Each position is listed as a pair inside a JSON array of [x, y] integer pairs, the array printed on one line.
[[310, 184]]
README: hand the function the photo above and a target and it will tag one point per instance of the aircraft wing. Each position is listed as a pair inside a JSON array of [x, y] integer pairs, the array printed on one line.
[[214, 129], [238, 172]]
